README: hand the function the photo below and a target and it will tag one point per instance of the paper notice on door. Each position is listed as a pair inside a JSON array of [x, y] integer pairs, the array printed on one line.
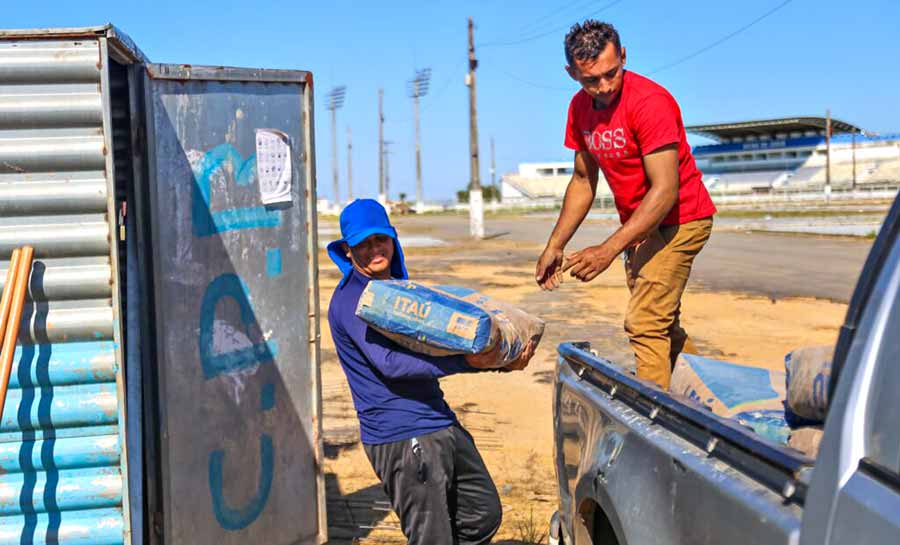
[[273, 165]]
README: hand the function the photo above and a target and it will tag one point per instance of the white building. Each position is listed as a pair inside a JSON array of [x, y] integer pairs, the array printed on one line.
[[541, 183]]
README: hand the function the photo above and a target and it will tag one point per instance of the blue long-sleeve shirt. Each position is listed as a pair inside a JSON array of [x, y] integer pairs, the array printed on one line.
[[395, 391]]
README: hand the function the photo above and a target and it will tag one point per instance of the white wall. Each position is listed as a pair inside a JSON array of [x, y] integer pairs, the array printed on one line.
[[530, 170], [508, 193]]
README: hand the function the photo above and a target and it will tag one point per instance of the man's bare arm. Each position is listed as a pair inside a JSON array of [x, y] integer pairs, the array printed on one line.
[[661, 167], [577, 203]]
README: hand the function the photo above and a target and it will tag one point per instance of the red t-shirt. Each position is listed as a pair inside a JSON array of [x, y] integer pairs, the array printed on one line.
[[643, 119]]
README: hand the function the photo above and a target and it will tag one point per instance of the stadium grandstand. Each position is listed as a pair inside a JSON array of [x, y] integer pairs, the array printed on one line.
[[786, 155], [541, 183], [792, 154]]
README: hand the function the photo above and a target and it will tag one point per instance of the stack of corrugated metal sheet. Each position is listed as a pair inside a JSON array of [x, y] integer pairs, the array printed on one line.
[[61, 476]]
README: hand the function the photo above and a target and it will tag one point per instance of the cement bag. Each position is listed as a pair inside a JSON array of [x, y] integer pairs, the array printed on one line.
[[808, 371], [751, 395], [806, 440], [445, 320]]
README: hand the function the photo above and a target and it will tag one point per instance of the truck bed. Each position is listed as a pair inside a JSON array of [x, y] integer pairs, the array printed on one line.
[[643, 466]]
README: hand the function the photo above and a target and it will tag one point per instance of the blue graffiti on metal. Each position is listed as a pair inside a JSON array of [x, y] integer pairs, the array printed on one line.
[[206, 222], [267, 398], [231, 518], [229, 285], [237, 518], [273, 262]]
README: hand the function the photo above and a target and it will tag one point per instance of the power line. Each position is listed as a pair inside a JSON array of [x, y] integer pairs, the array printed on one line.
[[446, 84], [522, 80], [512, 76], [532, 26], [720, 40], [547, 33]]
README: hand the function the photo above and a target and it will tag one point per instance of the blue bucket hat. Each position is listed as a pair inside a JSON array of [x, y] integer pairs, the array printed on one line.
[[359, 220]]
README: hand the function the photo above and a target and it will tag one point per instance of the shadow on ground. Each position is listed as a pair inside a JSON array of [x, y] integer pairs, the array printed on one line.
[[358, 517], [362, 517]]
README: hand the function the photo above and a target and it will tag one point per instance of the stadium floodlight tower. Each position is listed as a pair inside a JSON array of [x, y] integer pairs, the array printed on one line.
[[334, 101], [418, 87]]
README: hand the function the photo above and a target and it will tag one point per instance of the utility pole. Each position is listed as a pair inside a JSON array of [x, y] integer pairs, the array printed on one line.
[[418, 87], [853, 147], [494, 172], [349, 164], [386, 144], [827, 156], [476, 197], [382, 198], [335, 100]]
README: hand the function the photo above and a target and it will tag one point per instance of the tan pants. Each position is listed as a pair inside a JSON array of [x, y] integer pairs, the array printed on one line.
[[657, 272]]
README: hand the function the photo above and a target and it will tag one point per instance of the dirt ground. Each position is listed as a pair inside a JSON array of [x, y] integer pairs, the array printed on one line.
[[510, 415]]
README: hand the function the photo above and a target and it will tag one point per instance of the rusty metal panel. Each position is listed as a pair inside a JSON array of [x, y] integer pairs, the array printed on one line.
[[61, 463], [120, 45], [43, 62], [235, 306]]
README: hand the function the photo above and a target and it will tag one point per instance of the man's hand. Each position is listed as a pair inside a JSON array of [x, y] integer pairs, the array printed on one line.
[[524, 358], [485, 360], [588, 263], [548, 270], [577, 203], [492, 358]]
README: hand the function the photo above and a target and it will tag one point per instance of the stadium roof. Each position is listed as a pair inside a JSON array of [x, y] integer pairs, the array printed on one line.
[[720, 131]]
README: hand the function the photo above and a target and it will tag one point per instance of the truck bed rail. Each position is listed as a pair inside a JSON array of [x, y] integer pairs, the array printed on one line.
[[781, 469]]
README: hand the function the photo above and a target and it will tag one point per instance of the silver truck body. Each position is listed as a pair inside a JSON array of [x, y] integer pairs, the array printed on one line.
[[635, 465]]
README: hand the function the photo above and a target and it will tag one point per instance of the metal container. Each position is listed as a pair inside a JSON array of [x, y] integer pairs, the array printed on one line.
[[235, 298], [167, 389]]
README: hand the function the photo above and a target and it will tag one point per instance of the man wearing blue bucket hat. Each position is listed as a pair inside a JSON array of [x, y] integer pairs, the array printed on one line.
[[427, 462]]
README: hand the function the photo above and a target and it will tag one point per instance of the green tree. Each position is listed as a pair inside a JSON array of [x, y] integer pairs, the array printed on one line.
[[489, 192]]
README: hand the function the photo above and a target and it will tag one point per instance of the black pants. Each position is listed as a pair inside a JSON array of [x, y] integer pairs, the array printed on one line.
[[439, 487]]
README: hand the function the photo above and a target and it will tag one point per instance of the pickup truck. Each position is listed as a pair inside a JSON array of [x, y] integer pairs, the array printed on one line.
[[636, 465]]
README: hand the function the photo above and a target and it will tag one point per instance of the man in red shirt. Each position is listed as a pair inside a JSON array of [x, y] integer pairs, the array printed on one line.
[[631, 128]]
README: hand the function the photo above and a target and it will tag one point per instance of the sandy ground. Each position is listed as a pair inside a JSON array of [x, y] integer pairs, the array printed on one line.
[[510, 415]]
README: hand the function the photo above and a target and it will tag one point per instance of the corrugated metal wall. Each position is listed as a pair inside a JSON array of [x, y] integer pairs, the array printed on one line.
[[60, 470]]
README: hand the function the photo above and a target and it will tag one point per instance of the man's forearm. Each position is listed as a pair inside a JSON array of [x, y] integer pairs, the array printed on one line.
[[576, 205], [661, 168], [657, 203]]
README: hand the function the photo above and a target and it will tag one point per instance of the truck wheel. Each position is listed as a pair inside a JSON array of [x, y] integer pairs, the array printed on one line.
[[555, 534]]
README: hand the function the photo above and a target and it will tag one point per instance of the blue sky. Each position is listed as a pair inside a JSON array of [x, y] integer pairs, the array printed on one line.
[[808, 56]]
